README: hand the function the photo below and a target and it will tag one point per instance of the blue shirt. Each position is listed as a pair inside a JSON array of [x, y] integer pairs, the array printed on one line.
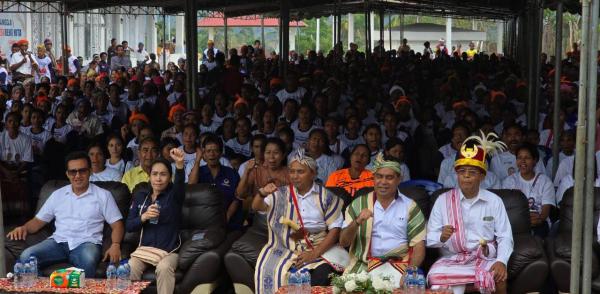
[[226, 181], [165, 234]]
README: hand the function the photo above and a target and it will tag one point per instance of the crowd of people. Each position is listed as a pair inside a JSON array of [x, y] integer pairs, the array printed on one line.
[[342, 119]]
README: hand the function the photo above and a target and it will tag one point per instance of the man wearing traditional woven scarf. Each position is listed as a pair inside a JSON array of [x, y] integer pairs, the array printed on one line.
[[304, 225], [470, 226], [384, 229]]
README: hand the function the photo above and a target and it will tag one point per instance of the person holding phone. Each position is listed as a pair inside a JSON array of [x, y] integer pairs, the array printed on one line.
[[157, 214]]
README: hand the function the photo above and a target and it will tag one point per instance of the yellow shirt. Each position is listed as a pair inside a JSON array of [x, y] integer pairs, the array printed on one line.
[[471, 53], [134, 176]]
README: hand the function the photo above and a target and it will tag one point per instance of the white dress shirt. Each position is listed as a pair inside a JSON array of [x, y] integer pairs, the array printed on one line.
[[310, 210], [484, 217], [79, 219], [389, 225]]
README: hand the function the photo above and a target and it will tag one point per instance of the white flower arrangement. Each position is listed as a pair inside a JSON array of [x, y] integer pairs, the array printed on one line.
[[362, 283]]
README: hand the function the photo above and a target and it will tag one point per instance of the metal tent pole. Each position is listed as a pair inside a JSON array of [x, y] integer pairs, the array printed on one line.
[[262, 32], [164, 55], [538, 64], [390, 29], [557, 73], [588, 225], [226, 35], [381, 25], [2, 256], [285, 36], [65, 31], [338, 26], [191, 18], [580, 158]]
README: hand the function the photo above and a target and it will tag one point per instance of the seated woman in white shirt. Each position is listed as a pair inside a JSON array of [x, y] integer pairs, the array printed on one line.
[[100, 172], [537, 187]]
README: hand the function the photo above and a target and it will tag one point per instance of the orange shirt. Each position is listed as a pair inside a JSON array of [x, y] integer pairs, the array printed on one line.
[[341, 178]]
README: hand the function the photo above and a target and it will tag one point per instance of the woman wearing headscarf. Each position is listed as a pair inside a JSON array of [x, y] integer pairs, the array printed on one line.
[[304, 221]]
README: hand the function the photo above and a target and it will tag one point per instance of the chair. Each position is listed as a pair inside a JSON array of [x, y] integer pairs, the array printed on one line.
[[528, 265], [199, 266], [241, 259], [559, 246], [429, 186], [13, 249]]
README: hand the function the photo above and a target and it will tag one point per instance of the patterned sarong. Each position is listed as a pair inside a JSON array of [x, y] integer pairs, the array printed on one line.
[[278, 255], [463, 267]]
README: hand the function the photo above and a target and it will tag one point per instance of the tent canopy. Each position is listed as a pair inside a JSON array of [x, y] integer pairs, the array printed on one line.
[[315, 8]]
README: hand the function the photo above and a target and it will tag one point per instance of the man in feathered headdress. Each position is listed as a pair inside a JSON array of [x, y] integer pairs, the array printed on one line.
[[384, 229], [304, 221], [470, 226]]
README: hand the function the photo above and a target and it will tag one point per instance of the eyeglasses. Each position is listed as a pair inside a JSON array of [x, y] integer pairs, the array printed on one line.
[[74, 172], [469, 172]]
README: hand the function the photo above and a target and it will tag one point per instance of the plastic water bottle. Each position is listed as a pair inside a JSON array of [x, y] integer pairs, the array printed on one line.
[[27, 274], [411, 281], [128, 271], [122, 277], [111, 277], [293, 282], [154, 221], [305, 281], [18, 274], [34, 266], [421, 282]]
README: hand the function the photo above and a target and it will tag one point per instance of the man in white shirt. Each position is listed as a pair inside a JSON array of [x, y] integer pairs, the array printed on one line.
[[395, 227], [79, 211], [505, 164], [141, 55], [22, 64], [471, 227], [292, 90]]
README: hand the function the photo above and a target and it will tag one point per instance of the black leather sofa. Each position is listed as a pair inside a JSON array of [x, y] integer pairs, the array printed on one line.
[[200, 262], [240, 261], [528, 265], [559, 246], [13, 249]]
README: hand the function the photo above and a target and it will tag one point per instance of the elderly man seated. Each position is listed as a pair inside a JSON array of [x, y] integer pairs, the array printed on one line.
[[384, 229], [470, 226], [304, 222]]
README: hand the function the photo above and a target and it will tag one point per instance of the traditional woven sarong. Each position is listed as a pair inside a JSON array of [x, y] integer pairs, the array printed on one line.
[[463, 267], [398, 258], [280, 252]]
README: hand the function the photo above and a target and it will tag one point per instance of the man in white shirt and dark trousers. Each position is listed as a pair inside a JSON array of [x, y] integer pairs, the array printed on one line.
[[79, 211], [470, 226]]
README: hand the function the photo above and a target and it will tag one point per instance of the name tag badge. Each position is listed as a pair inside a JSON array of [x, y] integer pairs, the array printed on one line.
[[488, 218]]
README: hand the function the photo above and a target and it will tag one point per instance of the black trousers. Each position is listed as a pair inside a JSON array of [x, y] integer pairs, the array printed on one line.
[[320, 275]]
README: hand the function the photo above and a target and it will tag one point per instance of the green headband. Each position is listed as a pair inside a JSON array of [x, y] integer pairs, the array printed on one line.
[[380, 163]]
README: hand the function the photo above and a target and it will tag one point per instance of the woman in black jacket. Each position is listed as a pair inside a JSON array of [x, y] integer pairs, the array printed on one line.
[[158, 215]]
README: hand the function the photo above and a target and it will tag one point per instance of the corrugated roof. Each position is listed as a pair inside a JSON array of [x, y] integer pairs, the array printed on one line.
[[311, 8]]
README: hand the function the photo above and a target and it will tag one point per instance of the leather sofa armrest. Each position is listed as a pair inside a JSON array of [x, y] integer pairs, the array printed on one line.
[[562, 250], [192, 249], [526, 250], [15, 248]]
